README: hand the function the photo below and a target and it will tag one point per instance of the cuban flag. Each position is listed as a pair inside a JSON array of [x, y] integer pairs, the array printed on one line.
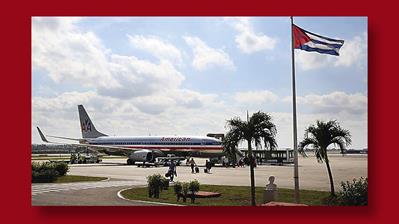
[[308, 41]]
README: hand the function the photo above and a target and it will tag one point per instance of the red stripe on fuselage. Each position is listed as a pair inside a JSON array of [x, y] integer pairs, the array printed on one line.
[[170, 148]]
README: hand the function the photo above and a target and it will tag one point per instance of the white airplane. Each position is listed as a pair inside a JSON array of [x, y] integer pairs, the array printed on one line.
[[142, 148]]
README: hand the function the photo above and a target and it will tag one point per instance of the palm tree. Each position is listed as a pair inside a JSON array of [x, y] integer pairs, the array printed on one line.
[[322, 135], [230, 144], [257, 128]]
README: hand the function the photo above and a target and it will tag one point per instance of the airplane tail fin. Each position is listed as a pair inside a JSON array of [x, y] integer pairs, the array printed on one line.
[[87, 127], [44, 139]]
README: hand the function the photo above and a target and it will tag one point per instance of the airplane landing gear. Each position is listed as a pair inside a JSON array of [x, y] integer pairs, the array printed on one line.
[[130, 162]]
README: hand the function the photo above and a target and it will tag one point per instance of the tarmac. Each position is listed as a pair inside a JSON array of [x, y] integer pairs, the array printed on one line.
[[106, 196], [312, 176]]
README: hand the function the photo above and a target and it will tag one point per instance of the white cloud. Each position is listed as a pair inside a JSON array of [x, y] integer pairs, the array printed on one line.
[[130, 96], [312, 60], [155, 104], [255, 97], [334, 103], [160, 104], [205, 56], [63, 101], [137, 77], [118, 84], [54, 24], [157, 47], [162, 113], [352, 53], [357, 126], [192, 100], [68, 54], [183, 111], [248, 41]]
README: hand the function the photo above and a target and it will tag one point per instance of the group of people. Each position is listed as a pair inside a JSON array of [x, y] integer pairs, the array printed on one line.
[[194, 168], [208, 165], [245, 161]]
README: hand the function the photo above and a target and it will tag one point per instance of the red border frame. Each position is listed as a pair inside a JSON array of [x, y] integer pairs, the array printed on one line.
[[16, 112]]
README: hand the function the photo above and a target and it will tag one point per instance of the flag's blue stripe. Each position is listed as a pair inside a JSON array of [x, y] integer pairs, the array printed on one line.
[[323, 51], [327, 44], [330, 39]]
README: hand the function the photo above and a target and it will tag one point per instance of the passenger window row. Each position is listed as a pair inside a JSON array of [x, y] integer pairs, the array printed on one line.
[[147, 143]]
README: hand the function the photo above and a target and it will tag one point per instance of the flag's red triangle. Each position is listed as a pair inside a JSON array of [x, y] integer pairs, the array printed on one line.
[[300, 37]]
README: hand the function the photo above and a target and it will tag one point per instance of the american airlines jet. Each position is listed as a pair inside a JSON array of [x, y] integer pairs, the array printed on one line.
[[142, 148]]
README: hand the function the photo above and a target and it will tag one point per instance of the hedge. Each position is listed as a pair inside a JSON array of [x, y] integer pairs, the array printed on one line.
[[48, 171]]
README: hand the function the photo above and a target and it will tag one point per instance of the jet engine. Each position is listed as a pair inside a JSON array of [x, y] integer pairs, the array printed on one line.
[[141, 156]]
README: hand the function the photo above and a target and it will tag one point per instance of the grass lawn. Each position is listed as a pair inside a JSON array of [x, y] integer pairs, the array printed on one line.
[[72, 178], [231, 196]]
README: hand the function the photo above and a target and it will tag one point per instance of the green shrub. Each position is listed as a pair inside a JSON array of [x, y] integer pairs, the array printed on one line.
[[35, 166], [44, 172], [44, 176], [62, 168], [178, 190], [194, 186], [354, 193], [164, 183], [185, 188], [48, 171], [155, 185]]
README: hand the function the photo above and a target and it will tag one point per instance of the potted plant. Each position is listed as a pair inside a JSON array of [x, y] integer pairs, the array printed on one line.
[[154, 185], [185, 189], [178, 190], [164, 183], [194, 187]]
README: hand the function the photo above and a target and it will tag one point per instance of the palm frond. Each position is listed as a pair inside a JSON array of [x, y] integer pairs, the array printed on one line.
[[324, 134], [270, 142], [310, 141], [341, 144]]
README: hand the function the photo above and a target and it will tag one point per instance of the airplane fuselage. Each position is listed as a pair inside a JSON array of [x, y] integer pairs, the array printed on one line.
[[177, 145], [143, 148]]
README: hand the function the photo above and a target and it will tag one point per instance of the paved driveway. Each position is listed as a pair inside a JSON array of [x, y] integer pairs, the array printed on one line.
[[102, 193]]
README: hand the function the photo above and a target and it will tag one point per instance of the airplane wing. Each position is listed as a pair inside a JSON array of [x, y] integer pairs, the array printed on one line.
[[74, 139], [97, 148]]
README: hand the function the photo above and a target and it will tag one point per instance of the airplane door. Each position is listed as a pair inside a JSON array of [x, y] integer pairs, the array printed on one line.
[[203, 143]]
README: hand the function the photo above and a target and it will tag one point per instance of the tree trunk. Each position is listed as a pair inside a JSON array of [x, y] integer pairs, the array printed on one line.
[[251, 167], [235, 156], [192, 197], [330, 176]]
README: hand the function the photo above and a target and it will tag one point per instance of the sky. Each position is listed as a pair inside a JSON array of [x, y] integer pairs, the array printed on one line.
[[189, 75]]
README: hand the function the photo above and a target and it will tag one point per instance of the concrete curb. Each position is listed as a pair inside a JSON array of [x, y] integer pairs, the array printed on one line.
[[148, 202], [106, 179]]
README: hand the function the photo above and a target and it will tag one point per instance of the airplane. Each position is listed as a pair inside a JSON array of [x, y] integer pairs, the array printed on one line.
[[142, 148]]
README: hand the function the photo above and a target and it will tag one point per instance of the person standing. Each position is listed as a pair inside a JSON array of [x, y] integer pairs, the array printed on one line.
[[172, 170], [208, 166], [192, 164]]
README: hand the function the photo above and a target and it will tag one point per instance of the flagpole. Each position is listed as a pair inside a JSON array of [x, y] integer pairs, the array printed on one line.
[[296, 175]]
